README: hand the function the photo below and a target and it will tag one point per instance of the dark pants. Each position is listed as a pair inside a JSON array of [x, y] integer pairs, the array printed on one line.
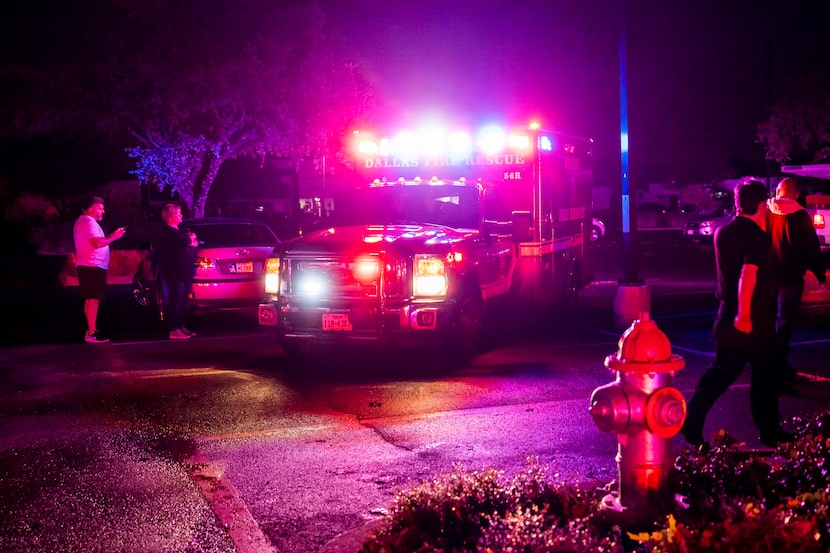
[[92, 282], [733, 350], [174, 295], [789, 302]]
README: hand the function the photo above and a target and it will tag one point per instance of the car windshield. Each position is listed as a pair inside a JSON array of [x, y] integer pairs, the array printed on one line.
[[233, 234], [452, 206]]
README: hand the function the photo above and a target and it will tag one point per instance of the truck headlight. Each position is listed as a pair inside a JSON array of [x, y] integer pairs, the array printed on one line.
[[272, 275], [430, 276]]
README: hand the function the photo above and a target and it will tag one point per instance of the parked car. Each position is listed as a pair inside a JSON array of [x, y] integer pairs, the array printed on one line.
[[597, 229], [701, 227], [230, 265]]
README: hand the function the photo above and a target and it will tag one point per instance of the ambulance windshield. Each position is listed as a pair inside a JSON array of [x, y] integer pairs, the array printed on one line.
[[448, 205]]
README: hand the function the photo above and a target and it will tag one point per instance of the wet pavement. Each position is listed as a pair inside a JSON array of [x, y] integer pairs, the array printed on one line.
[[217, 444]]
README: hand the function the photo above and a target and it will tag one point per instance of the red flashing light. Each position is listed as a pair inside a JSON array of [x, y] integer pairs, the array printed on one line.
[[455, 257], [367, 146], [518, 141], [366, 269]]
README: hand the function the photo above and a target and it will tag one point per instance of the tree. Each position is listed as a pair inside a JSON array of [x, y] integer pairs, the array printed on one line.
[[798, 129], [194, 83]]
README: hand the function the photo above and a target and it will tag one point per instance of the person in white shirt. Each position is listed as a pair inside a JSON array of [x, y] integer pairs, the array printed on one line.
[[92, 259]]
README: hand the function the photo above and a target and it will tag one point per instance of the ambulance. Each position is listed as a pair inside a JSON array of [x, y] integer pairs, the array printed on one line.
[[440, 227]]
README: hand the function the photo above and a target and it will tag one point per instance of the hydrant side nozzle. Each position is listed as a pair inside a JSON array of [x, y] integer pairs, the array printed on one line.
[[665, 412], [610, 408]]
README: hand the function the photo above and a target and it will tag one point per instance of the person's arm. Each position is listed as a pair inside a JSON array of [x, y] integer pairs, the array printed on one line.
[[746, 288], [101, 241]]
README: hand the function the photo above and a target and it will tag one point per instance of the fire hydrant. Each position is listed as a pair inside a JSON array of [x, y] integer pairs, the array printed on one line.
[[645, 412]]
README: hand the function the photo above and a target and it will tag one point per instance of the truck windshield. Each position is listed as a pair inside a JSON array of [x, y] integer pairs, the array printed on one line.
[[449, 205]]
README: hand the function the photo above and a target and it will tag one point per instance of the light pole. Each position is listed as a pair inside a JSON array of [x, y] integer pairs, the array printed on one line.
[[633, 295]]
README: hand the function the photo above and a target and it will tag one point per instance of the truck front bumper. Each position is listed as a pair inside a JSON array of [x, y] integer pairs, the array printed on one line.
[[415, 322]]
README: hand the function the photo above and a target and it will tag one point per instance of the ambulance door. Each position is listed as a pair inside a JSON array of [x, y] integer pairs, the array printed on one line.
[[497, 254], [554, 259]]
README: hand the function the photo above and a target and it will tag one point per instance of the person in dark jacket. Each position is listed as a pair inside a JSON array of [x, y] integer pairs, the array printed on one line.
[[745, 323], [795, 250], [175, 253]]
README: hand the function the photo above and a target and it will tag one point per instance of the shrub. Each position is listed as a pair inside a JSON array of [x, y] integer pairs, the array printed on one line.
[[484, 511], [734, 501]]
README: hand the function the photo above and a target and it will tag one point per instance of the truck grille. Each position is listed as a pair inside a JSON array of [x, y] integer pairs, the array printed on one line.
[[353, 277], [361, 286]]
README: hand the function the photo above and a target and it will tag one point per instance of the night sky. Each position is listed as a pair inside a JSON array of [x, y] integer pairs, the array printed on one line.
[[700, 73]]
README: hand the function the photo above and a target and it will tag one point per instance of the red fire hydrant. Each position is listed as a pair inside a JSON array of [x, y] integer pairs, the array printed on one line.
[[645, 412]]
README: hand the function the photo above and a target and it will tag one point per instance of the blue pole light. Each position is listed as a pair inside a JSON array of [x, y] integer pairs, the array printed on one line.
[[630, 275]]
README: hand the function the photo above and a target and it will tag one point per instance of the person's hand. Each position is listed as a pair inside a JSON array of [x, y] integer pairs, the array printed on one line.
[[193, 240], [118, 233], [743, 324]]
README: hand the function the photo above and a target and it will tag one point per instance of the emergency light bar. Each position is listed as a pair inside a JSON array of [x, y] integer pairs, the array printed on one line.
[[490, 140]]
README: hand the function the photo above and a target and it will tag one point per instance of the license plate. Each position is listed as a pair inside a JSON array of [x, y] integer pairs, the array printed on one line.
[[241, 267], [336, 321], [690, 232]]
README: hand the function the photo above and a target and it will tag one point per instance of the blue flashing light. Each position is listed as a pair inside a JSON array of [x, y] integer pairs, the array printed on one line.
[[492, 139]]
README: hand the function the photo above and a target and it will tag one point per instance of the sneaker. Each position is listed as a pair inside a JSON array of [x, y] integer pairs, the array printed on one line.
[[179, 335], [95, 338], [776, 436], [188, 332]]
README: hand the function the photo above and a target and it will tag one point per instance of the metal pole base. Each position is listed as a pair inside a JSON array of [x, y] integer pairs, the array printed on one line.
[[630, 302]]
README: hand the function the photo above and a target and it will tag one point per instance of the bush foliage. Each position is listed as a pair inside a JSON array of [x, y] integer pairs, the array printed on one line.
[[730, 500]]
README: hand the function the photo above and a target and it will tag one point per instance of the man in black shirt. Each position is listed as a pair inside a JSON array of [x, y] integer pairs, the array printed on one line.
[[745, 325]]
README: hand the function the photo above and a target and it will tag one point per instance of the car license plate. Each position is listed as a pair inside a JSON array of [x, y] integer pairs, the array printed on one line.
[[241, 267], [336, 321], [690, 232]]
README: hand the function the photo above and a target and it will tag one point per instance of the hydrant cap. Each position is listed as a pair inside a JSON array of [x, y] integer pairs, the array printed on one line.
[[665, 412], [644, 343]]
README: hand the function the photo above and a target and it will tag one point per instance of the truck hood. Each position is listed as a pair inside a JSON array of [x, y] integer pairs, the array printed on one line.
[[406, 238]]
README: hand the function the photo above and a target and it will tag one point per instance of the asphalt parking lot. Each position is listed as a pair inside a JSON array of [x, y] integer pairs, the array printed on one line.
[[107, 437]]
